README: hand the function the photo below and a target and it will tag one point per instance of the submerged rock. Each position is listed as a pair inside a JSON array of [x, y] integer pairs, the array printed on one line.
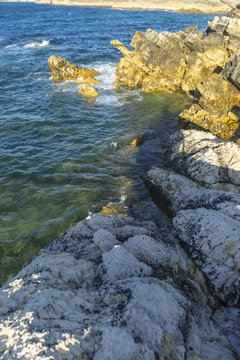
[[109, 288], [138, 141], [64, 70]]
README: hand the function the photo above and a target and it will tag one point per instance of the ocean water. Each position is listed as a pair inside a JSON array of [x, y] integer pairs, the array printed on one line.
[[63, 156]]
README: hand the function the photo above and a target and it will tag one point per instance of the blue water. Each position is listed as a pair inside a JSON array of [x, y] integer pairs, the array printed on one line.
[[62, 156]]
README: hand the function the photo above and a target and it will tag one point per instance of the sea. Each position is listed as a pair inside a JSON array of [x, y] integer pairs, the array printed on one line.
[[64, 156]]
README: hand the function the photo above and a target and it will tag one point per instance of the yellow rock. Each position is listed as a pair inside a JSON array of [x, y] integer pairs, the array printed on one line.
[[138, 141], [88, 80], [113, 209], [88, 90], [64, 70]]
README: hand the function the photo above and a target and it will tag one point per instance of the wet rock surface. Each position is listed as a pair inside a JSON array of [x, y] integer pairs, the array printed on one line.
[[110, 287]]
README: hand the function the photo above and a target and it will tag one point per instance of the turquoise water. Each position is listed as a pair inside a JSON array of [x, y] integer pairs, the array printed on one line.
[[62, 156]]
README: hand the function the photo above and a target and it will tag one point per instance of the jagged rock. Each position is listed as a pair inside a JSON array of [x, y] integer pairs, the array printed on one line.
[[214, 110], [88, 90], [208, 223], [64, 70], [203, 157], [88, 80], [207, 220], [173, 192], [202, 65], [226, 25], [213, 240], [232, 70], [101, 291]]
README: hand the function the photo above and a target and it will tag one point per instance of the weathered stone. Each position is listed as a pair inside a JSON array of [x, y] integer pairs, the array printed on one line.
[[207, 220], [98, 292], [205, 66], [203, 157], [64, 70], [88, 90], [213, 240], [232, 70]]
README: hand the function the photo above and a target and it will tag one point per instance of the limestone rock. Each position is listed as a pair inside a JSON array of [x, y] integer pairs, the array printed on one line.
[[232, 70], [205, 66], [88, 90], [203, 157], [208, 223], [214, 112], [81, 299], [200, 194], [64, 70], [213, 239]]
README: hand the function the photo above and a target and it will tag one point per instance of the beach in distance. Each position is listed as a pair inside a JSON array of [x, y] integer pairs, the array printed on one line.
[[202, 6]]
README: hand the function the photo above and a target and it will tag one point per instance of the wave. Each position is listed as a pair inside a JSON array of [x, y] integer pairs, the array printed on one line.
[[37, 44], [33, 44]]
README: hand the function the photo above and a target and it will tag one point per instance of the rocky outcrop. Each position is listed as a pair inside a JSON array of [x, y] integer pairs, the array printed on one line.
[[88, 90], [64, 70], [110, 288], [206, 66], [199, 190]]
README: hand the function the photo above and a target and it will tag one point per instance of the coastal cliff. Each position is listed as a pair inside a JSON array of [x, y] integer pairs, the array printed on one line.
[[114, 287], [202, 6]]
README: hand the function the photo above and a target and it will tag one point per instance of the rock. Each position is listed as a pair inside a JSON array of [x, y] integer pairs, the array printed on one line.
[[88, 90], [213, 112], [64, 70], [173, 192], [138, 141], [200, 195], [213, 239], [88, 80], [203, 157], [101, 291], [205, 66], [232, 70], [114, 209]]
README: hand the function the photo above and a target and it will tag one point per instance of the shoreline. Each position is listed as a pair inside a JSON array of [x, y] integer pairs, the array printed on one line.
[[202, 7], [115, 287]]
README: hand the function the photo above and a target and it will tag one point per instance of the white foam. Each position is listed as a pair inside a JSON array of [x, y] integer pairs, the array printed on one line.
[[107, 77], [37, 44], [10, 46]]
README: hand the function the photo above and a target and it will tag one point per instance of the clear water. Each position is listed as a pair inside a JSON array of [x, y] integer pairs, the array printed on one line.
[[62, 156]]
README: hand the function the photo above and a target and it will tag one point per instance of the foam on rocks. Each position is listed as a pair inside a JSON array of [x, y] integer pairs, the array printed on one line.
[[110, 288]]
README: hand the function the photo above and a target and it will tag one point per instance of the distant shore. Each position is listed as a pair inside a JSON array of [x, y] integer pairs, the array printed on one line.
[[202, 6]]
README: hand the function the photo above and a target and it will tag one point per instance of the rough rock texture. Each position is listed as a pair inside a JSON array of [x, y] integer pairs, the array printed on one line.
[[88, 90], [200, 190], [109, 288], [64, 70], [203, 157], [206, 66]]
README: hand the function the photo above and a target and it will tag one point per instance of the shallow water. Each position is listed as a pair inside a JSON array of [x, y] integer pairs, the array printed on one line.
[[62, 156]]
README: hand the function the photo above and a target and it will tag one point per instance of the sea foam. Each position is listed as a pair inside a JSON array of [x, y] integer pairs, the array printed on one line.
[[37, 44]]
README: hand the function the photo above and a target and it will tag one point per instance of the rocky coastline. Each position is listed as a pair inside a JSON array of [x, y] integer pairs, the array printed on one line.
[[202, 6], [114, 287]]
